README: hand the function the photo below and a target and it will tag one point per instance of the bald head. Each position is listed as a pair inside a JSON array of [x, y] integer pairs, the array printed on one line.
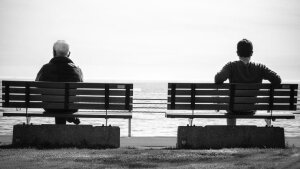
[[61, 49]]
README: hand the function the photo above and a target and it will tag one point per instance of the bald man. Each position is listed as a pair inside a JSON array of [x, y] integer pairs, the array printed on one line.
[[61, 69]]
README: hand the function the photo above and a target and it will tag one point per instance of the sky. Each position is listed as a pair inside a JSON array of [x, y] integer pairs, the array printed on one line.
[[160, 40]]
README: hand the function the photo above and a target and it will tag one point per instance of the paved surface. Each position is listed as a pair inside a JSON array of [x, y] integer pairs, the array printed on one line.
[[152, 142]]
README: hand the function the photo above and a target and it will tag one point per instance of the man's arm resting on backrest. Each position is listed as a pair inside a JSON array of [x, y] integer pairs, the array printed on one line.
[[271, 76], [223, 75]]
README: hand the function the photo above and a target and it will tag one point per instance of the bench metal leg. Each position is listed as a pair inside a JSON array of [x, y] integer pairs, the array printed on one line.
[[190, 122], [231, 121], [129, 127], [28, 118], [268, 122]]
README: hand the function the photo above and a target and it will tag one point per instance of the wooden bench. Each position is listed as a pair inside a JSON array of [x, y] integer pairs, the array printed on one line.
[[93, 100], [191, 97]]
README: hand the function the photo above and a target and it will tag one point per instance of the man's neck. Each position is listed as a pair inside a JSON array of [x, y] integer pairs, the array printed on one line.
[[245, 60]]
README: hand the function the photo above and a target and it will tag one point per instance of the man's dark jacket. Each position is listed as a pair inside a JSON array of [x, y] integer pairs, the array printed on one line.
[[60, 69], [239, 72]]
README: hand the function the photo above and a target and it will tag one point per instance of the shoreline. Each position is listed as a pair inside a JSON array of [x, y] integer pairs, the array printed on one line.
[[152, 142]]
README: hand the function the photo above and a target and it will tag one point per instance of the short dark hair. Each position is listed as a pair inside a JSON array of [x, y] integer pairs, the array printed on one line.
[[244, 48]]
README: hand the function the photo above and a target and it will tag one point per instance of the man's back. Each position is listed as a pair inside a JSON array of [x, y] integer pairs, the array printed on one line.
[[60, 69], [240, 72]]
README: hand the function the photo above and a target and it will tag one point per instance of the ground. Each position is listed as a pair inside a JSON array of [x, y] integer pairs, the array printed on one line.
[[149, 158]]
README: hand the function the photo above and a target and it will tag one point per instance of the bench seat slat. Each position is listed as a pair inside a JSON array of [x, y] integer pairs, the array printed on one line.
[[100, 85], [200, 99], [201, 92], [46, 105], [97, 106], [49, 105], [99, 92], [236, 107], [36, 91], [37, 98], [200, 107], [227, 86], [227, 100], [60, 85], [61, 99], [56, 85], [238, 93], [199, 85], [246, 93], [247, 107], [79, 115], [61, 92], [96, 99], [256, 116]]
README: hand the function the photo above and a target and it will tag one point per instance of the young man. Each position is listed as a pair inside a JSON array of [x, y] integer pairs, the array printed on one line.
[[61, 69], [244, 71]]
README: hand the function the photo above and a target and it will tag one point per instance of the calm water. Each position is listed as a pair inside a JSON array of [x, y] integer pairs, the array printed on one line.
[[153, 124]]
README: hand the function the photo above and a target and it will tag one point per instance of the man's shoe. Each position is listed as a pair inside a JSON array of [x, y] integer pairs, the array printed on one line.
[[76, 121], [73, 120]]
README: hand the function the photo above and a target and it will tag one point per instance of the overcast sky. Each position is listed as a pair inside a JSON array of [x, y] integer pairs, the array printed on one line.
[[170, 40]]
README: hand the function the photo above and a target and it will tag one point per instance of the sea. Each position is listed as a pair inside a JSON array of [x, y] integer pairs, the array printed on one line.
[[149, 119]]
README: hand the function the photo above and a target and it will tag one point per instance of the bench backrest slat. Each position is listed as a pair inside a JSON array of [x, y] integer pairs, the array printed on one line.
[[237, 97], [59, 95]]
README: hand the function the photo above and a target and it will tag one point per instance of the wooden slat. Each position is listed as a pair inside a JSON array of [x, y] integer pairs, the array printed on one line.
[[256, 116], [261, 100], [98, 92], [247, 107], [236, 107], [87, 99], [201, 99], [261, 93], [100, 85], [97, 99], [46, 105], [226, 85], [50, 105], [47, 91], [79, 115], [200, 107], [61, 85], [201, 92], [54, 85], [49, 98], [288, 86], [116, 92], [15, 90], [97, 106], [251, 86], [226, 100], [40, 84], [199, 86]]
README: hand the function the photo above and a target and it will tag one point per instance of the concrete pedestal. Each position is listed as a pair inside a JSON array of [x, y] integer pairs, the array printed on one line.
[[52, 136], [216, 137]]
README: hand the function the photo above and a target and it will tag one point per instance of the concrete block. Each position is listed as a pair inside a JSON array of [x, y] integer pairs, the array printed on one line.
[[216, 137], [52, 136]]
